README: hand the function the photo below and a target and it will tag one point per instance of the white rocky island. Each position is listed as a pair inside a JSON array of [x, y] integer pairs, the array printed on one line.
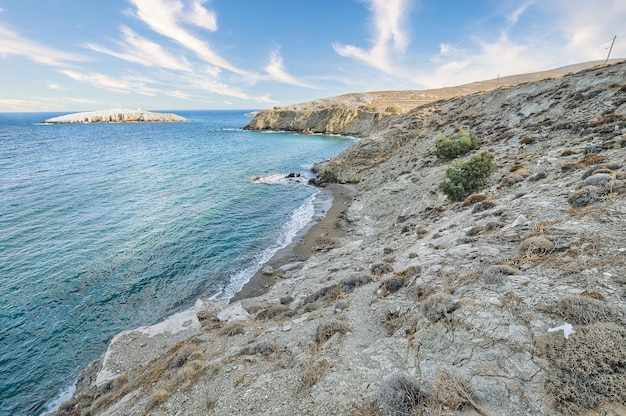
[[115, 116]]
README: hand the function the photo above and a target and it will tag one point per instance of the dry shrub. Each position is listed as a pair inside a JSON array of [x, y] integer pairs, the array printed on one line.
[[585, 162], [157, 399], [312, 373], [350, 283], [396, 320], [327, 294], [496, 274], [535, 246], [474, 198], [232, 329], [399, 395], [580, 310], [475, 230], [390, 286], [420, 292], [274, 311], [265, 348], [327, 329], [454, 389], [589, 368], [410, 273], [381, 268], [438, 306]]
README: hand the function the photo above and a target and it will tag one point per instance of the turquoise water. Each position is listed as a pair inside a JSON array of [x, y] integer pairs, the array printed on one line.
[[106, 227]]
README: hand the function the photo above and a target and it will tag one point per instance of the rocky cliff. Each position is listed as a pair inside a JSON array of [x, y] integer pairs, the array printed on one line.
[[426, 306], [326, 120], [115, 116]]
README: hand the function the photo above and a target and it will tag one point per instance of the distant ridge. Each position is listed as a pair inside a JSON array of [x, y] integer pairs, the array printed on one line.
[[409, 99], [115, 116]]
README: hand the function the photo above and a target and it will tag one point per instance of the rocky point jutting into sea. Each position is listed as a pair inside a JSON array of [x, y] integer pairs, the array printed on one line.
[[510, 301], [115, 116]]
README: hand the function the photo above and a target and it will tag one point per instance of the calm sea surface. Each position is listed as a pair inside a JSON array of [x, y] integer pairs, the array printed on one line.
[[107, 227]]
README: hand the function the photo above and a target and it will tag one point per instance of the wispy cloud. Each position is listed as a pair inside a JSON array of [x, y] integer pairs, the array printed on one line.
[[142, 51], [166, 17], [11, 43], [117, 84], [277, 71], [390, 35]]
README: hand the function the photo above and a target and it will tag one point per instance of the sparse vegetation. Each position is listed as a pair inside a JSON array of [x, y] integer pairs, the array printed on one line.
[[588, 368], [455, 390], [311, 373], [379, 269], [583, 310], [466, 176], [535, 246], [350, 283], [437, 306], [327, 329], [458, 144], [399, 395]]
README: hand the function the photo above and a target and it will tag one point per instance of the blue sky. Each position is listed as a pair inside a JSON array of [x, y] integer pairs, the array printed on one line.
[[71, 55]]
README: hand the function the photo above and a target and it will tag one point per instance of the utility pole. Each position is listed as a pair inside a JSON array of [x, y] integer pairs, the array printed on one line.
[[610, 49]]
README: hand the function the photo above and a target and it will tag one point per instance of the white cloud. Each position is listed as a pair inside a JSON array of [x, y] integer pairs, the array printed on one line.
[[165, 17], [54, 86], [179, 94], [589, 26], [277, 71], [201, 17], [12, 43], [142, 51], [390, 35], [99, 80]]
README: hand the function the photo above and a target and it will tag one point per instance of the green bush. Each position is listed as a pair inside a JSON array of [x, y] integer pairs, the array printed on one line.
[[458, 144], [467, 176]]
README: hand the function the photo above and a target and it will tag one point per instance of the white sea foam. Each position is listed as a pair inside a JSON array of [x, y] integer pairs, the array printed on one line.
[[63, 396], [270, 179], [299, 219], [277, 178]]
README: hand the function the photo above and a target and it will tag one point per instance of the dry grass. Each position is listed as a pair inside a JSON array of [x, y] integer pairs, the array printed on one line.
[[311, 373], [327, 294], [455, 390], [327, 329], [535, 246], [274, 312], [585, 162]]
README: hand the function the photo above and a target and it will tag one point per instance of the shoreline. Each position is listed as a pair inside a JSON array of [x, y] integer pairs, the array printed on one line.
[[332, 201]]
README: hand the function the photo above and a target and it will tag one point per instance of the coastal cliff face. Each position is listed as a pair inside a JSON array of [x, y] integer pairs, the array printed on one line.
[[426, 306], [327, 120]]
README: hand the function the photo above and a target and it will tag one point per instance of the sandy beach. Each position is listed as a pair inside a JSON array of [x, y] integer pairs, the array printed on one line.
[[330, 204]]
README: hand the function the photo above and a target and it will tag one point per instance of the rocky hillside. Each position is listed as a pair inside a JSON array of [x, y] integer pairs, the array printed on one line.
[[508, 302], [360, 114]]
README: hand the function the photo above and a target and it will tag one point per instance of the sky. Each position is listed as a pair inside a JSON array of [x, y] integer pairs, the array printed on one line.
[[78, 55]]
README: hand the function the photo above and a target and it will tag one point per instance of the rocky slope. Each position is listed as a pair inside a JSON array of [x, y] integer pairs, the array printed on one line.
[[426, 306], [115, 116], [359, 114]]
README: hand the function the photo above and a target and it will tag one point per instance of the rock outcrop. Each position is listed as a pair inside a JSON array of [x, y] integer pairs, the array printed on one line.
[[327, 120], [428, 306], [115, 116]]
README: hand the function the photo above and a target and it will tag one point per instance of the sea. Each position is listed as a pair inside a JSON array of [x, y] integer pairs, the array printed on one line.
[[107, 227]]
